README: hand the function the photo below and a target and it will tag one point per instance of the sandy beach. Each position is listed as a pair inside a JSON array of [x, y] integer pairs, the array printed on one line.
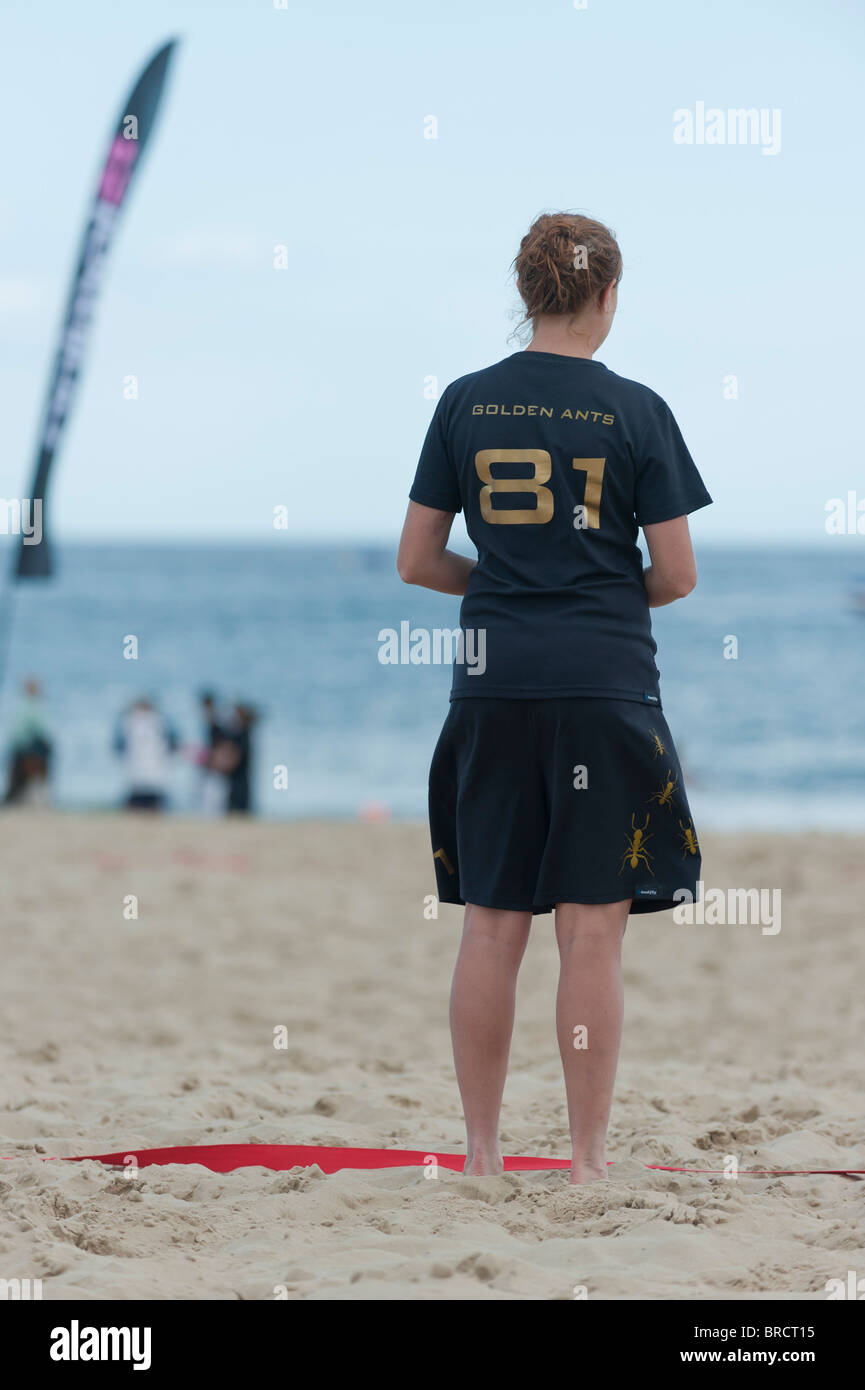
[[129, 1032]]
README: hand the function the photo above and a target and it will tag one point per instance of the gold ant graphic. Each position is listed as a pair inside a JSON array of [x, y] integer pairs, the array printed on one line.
[[636, 853], [664, 797], [440, 854], [689, 839], [658, 745]]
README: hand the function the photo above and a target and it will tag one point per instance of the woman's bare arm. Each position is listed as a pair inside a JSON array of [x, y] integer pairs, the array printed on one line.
[[423, 558], [672, 572]]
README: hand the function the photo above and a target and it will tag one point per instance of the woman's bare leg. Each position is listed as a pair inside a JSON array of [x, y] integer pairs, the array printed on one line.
[[482, 1020], [590, 998]]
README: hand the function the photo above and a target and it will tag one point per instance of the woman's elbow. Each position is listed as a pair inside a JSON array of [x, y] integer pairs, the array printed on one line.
[[674, 583], [685, 584], [407, 569]]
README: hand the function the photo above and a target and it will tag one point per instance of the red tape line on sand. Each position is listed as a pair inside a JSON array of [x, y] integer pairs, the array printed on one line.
[[224, 1158]]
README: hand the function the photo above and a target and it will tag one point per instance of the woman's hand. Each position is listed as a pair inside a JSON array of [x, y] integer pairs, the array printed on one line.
[[423, 558], [673, 570]]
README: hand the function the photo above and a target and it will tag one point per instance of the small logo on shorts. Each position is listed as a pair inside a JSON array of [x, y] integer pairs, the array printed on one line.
[[440, 854], [650, 699], [649, 892]]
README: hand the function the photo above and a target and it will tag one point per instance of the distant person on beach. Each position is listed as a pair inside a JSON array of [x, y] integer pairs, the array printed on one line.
[[215, 757], [226, 757], [239, 734], [209, 718], [145, 741], [555, 784], [30, 750]]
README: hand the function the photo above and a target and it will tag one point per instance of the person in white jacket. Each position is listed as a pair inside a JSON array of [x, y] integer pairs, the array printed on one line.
[[145, 740]]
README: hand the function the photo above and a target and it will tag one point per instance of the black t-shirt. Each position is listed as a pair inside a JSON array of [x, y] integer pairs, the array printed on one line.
[[557, 462]]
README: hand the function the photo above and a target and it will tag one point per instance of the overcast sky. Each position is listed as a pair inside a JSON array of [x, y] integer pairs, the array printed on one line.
[[305, 127]]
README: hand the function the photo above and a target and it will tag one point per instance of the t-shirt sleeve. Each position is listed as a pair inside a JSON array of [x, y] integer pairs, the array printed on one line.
[[435, 482], [667, 483]]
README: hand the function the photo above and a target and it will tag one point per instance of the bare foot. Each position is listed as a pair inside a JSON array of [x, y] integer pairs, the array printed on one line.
[[587, 1172], [484, 1166]]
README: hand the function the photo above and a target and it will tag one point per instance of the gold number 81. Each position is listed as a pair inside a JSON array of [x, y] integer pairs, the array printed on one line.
[[543, 467]]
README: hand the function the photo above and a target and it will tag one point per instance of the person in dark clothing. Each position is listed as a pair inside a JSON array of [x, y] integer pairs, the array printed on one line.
[[239, 735], [555, 785], [217, 756], [210, 718]]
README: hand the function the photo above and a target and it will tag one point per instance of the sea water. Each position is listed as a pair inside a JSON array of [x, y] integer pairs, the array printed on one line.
[[762, 675]]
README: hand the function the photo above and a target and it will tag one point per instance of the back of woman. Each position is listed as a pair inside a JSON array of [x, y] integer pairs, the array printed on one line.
[[555, 783], [557, 462]]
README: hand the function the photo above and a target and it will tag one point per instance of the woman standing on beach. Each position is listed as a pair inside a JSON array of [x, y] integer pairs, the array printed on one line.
[[555, 784]]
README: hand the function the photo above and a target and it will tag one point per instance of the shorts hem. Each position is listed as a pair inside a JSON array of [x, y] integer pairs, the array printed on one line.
[[639, 906]]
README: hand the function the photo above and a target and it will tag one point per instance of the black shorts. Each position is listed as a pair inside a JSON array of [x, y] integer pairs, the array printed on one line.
[[576, 800]]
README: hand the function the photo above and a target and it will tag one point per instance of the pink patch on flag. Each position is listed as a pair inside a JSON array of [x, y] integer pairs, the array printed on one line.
[[121, 158]]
